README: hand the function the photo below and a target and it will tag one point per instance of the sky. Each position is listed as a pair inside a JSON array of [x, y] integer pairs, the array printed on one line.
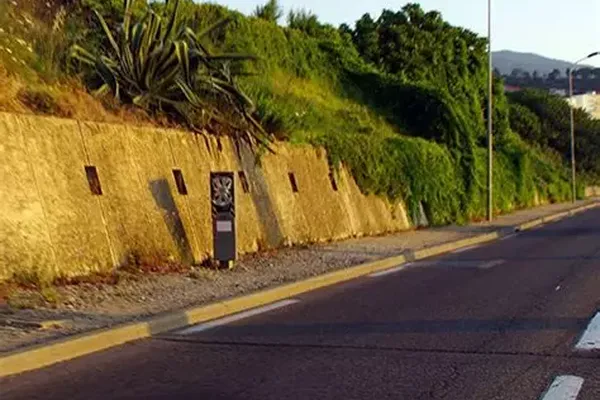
[[548, 27]]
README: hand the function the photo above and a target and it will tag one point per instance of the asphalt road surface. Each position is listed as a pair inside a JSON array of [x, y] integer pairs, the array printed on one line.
[[515, 319]]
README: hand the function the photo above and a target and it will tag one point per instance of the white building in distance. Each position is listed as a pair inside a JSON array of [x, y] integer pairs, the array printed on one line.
[[589, 102]]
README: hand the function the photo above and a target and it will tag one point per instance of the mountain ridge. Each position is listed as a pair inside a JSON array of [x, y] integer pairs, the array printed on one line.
[[507, 60]]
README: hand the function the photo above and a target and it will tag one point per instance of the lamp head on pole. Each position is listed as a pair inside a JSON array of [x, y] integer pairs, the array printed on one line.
[[591, 55]]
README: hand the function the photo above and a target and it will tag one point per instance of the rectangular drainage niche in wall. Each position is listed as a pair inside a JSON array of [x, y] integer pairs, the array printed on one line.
[[180, 182], [293, 182], [244, 181], [93, 180], [334, 185]]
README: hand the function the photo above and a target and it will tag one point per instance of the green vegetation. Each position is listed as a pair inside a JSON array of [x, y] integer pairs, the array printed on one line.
[[30, 47], [543, 119], [271, 11], [403, 111], [400, 99]]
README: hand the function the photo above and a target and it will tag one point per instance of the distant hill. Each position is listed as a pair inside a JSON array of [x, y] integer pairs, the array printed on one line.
[[506, 61]]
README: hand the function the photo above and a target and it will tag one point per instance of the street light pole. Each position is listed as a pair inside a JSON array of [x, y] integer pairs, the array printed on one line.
[[572, 112], [573, 169], [490, 206]]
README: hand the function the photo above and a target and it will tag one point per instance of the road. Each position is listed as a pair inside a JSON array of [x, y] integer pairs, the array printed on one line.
[[500, 321]]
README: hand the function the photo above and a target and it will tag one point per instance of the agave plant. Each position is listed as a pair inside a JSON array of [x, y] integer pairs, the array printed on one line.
[[158, 63]]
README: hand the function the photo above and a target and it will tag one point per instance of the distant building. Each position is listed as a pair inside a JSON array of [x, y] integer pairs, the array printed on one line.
[[589, 102], [511, 88], [559, 92]]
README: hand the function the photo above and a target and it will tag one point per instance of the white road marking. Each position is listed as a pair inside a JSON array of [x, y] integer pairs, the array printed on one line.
[[491, 264], [445, 263], [465, 249], [564, 387], [389, 271], [590, 340], [509, 237], [236, 317]]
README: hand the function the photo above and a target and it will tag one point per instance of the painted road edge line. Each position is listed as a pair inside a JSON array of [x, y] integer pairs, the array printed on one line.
[[491, 264], [43, 355], [449, 247], [511, 236], [590, 340], [465, 249], [237, 317], [390, 271], [564, 387]]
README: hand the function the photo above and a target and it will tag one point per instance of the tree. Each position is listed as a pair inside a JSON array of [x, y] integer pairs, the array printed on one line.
[[366, 38], [517, 73], [345, 29], [447, 68], [526, 123], [584, 73], [553, 115], [304, 21], [536, 75], [554, 75], [271, 11]]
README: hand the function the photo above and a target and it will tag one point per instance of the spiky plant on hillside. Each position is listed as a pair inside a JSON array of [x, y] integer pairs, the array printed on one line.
[[160, 64]]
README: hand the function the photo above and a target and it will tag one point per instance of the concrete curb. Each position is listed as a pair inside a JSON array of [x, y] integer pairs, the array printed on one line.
[[555, 217], [76, 346]]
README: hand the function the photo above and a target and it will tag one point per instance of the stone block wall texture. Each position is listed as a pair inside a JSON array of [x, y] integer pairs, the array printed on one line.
[[51, 225]]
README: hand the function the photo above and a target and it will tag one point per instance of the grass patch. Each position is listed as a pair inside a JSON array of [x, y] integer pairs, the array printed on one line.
[[203, 274], [153, 264], [21, 298], [31, 279], [50, 295], [41, 102]]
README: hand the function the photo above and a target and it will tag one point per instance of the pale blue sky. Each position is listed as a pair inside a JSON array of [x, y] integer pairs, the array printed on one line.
[[564, 29]]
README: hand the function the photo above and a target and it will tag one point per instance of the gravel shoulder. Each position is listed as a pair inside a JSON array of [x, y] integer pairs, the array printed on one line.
[[84, 307]]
